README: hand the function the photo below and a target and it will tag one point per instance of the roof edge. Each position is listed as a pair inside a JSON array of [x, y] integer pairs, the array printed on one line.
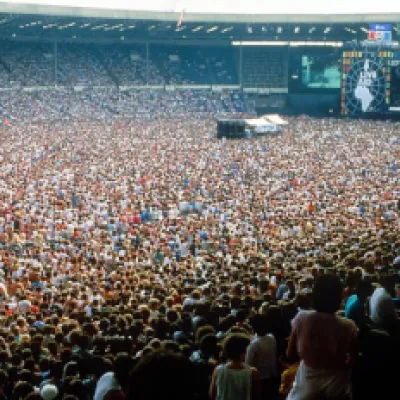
[[87, 12]]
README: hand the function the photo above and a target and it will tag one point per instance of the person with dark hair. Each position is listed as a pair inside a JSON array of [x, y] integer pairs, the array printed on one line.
[[355, 304], [286, 290], [235, 380], [303, 301], [113, 385], [162, 375], [262, 355], [77, 388], [204, 361], [325, 343], [3, 382], [21, 390]]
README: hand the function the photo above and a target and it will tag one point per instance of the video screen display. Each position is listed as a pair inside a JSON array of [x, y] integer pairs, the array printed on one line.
[[395, 86], [315, 70]]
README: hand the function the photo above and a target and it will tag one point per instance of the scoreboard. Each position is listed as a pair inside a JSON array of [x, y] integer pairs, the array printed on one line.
[[370, 81]]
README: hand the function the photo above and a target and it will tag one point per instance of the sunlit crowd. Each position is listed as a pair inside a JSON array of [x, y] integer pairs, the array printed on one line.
[[144, 258]]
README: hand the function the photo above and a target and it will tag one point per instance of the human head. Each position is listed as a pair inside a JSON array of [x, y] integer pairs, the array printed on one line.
[[209, 345], [122, 367], [172, 372], [22, 390], [235, 346], [364, 289], [260, 324], [327, 293]]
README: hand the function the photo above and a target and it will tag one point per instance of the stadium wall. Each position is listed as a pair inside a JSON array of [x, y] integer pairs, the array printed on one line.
[[314, 104]]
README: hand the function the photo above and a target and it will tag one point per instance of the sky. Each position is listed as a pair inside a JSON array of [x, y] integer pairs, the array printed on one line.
[[236, 6]]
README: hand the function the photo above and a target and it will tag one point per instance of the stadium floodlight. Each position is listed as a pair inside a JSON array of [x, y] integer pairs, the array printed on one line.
[[228, 29], [297, 29], [311, 30], [350, 30], [327, 29], [279, 29], [97, 27], [212, 29]]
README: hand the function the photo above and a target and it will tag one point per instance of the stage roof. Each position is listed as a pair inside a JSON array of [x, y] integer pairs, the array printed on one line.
[[275, 119]]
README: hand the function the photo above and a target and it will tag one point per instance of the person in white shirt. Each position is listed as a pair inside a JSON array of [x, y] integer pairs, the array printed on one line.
[[382, 307], [24, 305]]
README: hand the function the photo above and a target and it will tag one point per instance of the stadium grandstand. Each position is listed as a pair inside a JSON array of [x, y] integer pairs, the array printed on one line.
[[145, 256], [74, 49]]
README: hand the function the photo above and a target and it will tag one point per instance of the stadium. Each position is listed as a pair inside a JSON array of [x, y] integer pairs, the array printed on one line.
[[199, 200]]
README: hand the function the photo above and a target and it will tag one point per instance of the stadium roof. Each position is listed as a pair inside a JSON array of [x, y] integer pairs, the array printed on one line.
[[50, 22], [216, 10]]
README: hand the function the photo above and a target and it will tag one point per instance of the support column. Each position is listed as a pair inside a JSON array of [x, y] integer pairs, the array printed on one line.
[[147, 62], [241, 67], [55, 62]]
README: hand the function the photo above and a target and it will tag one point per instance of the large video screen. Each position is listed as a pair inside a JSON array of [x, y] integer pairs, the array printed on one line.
[[314, 70]]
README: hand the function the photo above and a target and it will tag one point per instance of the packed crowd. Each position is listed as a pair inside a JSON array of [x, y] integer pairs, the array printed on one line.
[[108, 104], [147, 259], [33, 64]]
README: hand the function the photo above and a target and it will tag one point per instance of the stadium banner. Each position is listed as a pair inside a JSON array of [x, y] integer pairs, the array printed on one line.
[[31, 89], [279, 90], [219, 88], [194, 87], [141, 87], [250, 90]]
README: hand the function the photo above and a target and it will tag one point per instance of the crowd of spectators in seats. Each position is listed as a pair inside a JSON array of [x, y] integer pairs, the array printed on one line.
[[142, 258], [33, 64]]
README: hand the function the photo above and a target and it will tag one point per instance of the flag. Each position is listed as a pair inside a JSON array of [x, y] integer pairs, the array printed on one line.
[[180, 19]]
